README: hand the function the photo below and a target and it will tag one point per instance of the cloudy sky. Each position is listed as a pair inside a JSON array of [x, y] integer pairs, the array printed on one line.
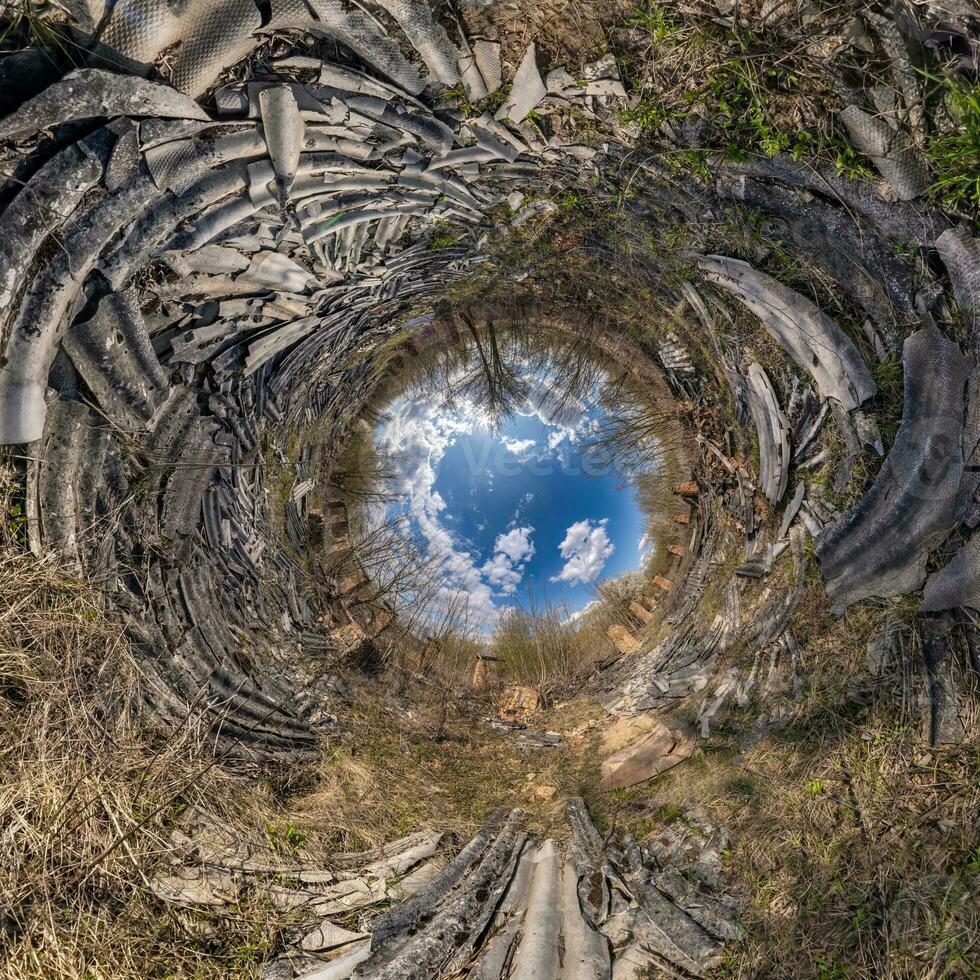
[[512, 512]]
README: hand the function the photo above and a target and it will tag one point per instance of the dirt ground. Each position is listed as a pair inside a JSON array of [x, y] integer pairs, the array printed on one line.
[[565, 31]]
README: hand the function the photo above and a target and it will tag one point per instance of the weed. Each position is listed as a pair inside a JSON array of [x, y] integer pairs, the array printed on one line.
[[457, 95], [655, 20], [17, 522], [889, 397], [831, 970], [648, 114], [27, 18], [286, 837], [536, 120], [741, 786], [444, 235], [847, 161], [972, 866], [496, 99], [888, 375]]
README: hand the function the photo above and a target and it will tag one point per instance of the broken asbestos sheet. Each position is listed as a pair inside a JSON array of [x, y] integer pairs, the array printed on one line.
[[958, 584], [806, 333], [773, 431], [891, 151], [89, 93], [880, 547], [526, 92]]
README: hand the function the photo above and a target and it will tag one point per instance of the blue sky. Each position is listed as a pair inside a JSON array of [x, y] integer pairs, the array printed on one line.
[[515, 509]]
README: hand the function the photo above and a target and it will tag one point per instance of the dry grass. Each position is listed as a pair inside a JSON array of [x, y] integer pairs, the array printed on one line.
[[88, 796], [393, 776], [565, 31], [730, 88]]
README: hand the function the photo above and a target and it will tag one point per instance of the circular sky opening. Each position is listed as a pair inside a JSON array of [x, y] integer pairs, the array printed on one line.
[[518, 474]]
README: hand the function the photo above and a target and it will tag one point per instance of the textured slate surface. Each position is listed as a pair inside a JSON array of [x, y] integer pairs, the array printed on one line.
[[880, 547]]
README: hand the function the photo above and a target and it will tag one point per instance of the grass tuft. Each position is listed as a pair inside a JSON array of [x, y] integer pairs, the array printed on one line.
[[955, 154]]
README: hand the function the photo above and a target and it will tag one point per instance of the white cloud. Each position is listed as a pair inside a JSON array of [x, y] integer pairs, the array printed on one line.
[[519, 447], [516, 544], [586, 549], [521, 505], [512, 551], [416, 434], [644, 545], [502, 575], [557, 436], [568, 423]]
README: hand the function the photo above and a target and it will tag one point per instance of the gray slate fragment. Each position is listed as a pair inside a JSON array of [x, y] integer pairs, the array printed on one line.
[[814, 342], [284, 129], [473, 85], [497, 950], [44, 204], [113, 353], [792, 509], [880, 546], [361, 34], [124, 163], [898, 161], [537, 953], [958, 584], [409, 915], [960, 253], [944, 693], [427, 37], [527, 89], [32, 345], [138, 30], [487, 55], [89, 93], [214, 36], [773, 432], [453, 932]]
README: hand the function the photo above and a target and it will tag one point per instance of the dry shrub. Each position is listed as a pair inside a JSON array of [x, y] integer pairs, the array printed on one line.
[[535, 649]]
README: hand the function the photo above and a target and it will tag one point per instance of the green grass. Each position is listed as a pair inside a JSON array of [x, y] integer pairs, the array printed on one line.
[[286, 837], [888, 375], [444, 235], [648, 114], [25, 18], [889, 398], [457, 96], [653, 19], [813, 787], [955, 156], [735, 85], [972, 866], [17, 521]]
